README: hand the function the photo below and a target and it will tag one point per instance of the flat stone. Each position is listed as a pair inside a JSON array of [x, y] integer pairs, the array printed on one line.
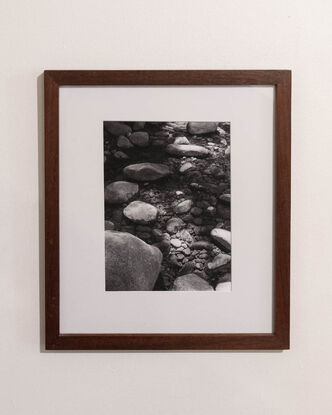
[[176, 243], [181, 140], [202, 127], [183, 207], [140, 212], [120, 192], [140, 138], [130, 263], [185, 167], [174, 224], [123, 142], [222, 237], [117, 128], [189, 150], [224, 286], [146, 171], [218, 262], [191, 282]]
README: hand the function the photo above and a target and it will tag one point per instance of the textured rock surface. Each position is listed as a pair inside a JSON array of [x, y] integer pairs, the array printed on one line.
[[188, 150], [190, 203], [120, 192], [146, 171], [202, 127], [140, 212], [130, 263], [191, 282]]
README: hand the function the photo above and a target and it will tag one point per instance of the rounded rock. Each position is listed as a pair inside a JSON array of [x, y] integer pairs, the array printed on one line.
[[120, 192], [140, 212]]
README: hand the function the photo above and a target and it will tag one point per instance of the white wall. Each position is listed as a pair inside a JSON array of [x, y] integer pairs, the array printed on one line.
[[123, 34]]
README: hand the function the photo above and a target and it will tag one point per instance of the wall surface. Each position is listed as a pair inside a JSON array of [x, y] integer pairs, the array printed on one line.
[[188, 34]]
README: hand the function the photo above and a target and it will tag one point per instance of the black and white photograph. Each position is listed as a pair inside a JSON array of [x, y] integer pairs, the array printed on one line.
[[167, 197]]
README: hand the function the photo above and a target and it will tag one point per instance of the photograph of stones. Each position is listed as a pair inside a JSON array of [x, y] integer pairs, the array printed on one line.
[[167, 206]]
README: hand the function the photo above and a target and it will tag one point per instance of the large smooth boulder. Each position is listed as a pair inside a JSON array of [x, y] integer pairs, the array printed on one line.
[[145, 172], [120, 192], [140, 138], [130, 263], [222, 237], [202, 127], [117, 128], [187, 150], [191, 282], [141, 212]]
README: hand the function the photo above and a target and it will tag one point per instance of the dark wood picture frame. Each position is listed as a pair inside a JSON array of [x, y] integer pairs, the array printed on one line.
[[279, 338]]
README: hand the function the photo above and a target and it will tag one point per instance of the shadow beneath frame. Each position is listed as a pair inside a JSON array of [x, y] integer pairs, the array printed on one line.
[[41, 204]]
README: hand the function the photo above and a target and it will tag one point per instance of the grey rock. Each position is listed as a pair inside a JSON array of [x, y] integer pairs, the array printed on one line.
[[222, 237], [174, 224], [181, 140], [191, 282], [120, 192], [140, 138], [123, 142], [202, 127], [185, 167], [130, 263], [176, 243], [183, 207], [146, 171], [185, 236], [140, 212], [188, 150], [117, 128]]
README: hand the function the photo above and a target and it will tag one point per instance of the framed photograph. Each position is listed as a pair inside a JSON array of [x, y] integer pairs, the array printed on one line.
[[167, 209]]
